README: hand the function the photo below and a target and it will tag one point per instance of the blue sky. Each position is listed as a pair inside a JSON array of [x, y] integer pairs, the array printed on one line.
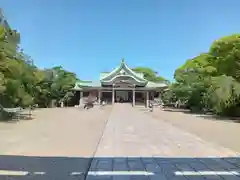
[[91, 36]]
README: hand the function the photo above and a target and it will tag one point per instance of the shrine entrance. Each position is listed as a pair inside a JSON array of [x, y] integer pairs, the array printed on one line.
[[123, 96], [122, 85]]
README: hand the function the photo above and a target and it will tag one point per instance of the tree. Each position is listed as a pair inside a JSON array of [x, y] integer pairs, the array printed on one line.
[[212, 80], [2, 83], [21, 82], [149, 74]]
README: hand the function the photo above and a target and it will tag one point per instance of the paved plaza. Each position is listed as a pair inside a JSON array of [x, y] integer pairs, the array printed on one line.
[[117, 143]]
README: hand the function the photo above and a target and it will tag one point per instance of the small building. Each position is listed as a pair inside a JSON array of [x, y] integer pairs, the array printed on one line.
[[122, 85]]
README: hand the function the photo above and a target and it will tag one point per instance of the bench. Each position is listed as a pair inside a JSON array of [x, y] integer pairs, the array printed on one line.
[[10, 113]]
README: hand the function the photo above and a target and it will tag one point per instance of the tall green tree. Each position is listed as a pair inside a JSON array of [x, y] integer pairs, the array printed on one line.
[[211, 80], [21, 82], [149, 74]]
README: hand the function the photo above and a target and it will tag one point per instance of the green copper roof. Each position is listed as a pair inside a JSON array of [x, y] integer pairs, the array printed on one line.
[[106, 78], [139, 74], [125, 69], [155, 85], [82, 84], [103, 75]]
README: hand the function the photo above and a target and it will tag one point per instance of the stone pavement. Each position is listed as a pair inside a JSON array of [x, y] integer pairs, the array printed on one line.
[[52, 146], [132, 133], [226, 132], [55, 132], [133, 141], [74, 144]]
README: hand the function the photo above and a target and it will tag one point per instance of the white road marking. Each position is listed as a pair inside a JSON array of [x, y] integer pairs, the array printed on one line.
[[13, 173], [202, 173], [120, 173], [76, 173], [39, 173]]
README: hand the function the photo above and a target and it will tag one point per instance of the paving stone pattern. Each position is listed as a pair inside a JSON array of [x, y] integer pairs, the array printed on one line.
[[75, 144], [132, 133], [134, 141]]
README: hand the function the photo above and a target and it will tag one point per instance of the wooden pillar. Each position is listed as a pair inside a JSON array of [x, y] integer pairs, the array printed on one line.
[[147, 99], [80, 98], [160, 97], [133, 97], [113, 95], [99, 96]]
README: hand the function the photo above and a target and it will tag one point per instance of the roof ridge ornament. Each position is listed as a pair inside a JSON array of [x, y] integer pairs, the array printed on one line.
[[123, 60], [122, 72]]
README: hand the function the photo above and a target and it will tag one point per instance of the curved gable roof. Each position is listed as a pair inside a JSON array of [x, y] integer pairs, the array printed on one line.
[[125, 69]]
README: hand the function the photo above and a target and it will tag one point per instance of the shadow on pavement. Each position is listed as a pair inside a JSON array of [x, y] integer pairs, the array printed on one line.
[[140, 168], [208, 116]]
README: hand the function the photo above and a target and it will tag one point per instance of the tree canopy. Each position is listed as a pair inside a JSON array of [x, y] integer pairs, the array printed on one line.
[[210, 80], [24, 84], [149, 74]]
